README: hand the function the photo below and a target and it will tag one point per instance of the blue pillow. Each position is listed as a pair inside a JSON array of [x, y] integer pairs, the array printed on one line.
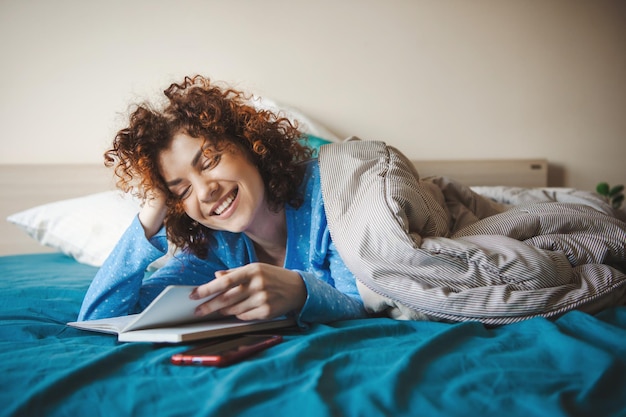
[[313, 142]]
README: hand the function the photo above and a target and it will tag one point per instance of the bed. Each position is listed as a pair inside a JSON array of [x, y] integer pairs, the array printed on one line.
[[572, 365]]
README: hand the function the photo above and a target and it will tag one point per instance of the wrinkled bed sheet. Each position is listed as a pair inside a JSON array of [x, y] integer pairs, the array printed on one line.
[[435, 249], [572, 366]]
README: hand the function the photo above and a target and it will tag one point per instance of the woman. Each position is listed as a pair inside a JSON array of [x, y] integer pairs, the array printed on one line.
[[234, 189]]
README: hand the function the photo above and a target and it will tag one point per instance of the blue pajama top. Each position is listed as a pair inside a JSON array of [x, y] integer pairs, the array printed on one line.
[[123, 287]]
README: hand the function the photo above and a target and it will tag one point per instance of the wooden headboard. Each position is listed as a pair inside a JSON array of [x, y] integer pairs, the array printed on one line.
[[511, 172], [26, 186]]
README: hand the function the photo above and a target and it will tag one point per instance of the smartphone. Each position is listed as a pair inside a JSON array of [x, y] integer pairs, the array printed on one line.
[[223, 353]]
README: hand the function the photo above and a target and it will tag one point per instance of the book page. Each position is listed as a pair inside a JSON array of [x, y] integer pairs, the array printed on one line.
[[108, 325], [172, 306]]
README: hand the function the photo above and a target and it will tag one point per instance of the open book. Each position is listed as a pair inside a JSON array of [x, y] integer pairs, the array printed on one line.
[[170, 319]]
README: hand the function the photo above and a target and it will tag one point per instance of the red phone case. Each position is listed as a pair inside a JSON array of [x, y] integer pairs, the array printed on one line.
[[223, 353]]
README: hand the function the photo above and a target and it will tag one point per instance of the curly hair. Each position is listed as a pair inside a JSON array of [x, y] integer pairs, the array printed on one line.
[[219, 115]]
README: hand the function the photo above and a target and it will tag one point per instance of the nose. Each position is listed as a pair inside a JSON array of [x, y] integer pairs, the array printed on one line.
[[207, 191]]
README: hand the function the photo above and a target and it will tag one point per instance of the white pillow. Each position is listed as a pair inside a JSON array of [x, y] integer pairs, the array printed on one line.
[[85, 228], [306, 124]]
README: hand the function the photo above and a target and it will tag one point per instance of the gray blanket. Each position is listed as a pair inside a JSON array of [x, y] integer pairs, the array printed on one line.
[[437, 250]]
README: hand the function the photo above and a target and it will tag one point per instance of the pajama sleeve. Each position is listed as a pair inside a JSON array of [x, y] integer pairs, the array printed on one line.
[[326, 304], [122, 286]]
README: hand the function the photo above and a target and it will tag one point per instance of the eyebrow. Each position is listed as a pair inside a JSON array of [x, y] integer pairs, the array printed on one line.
[[194, 162], [196, 158]]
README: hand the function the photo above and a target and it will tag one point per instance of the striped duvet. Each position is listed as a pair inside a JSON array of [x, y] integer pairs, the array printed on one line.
[[433, 249]]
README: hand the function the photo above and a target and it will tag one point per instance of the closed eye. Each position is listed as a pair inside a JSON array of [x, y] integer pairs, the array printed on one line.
[[208, 163], [212, 161], [184, 194]]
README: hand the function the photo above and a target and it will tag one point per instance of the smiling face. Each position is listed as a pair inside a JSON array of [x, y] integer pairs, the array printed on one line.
[[220, 189]]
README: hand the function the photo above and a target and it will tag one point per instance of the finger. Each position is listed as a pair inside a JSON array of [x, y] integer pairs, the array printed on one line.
[[223, 281], [247, 301], [222, 302], [262, 312]]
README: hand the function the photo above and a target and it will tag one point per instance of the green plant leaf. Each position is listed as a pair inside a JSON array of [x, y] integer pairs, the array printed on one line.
[[602, 188], [617, 201], [616, 190]]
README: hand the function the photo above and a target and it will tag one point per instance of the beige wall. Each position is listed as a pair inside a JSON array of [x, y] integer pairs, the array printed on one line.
[[439, 79]]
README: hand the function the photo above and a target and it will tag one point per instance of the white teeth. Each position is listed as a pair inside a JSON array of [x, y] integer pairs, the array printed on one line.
[[225, 204]]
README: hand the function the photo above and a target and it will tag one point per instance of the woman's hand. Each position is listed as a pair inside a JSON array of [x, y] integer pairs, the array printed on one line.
[[253, 292], [153, 212]]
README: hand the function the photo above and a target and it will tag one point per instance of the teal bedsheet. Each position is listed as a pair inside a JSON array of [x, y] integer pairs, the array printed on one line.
[[574, 366]]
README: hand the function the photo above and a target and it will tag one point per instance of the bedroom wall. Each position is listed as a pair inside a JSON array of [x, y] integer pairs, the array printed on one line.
[[439, 79]]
